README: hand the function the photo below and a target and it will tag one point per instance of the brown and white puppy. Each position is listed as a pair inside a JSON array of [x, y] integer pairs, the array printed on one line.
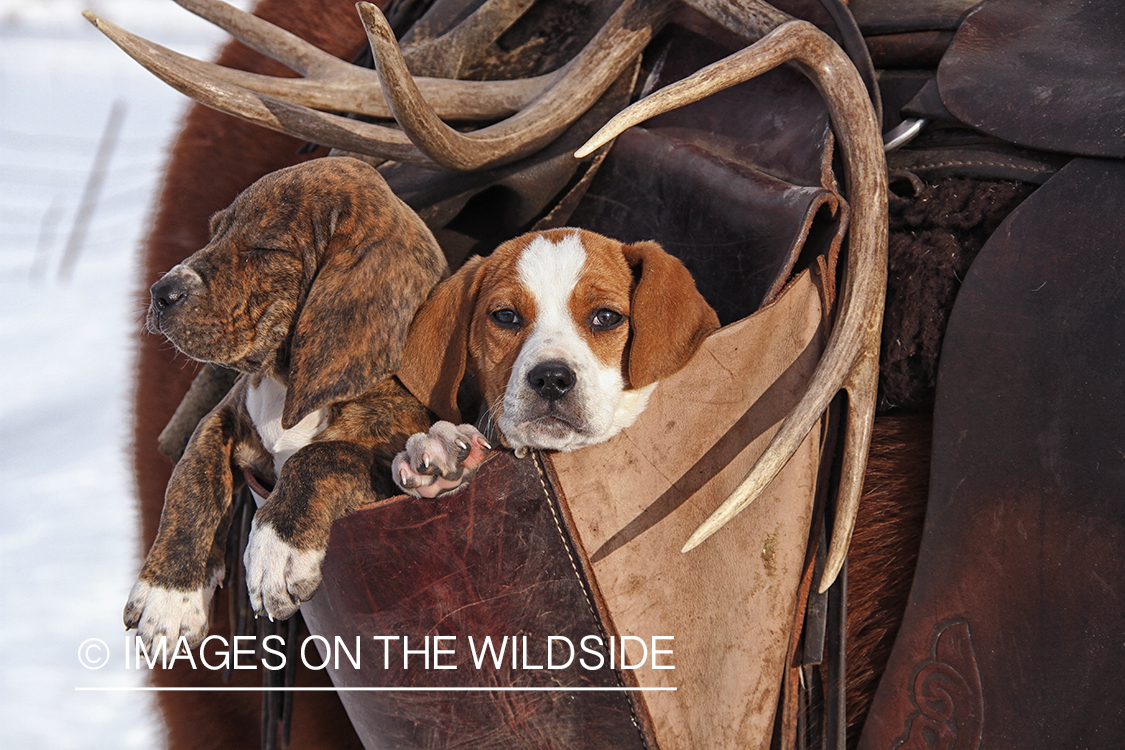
[[566, 334], [307, 286]]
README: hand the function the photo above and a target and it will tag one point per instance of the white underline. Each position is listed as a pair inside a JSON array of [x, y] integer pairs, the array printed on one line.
[[374, 689]]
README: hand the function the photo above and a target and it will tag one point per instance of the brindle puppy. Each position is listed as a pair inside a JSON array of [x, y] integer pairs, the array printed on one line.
[[308, 285]]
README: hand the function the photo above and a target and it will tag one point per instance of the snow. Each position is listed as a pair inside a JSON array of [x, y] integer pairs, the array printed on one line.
[[68, 544]]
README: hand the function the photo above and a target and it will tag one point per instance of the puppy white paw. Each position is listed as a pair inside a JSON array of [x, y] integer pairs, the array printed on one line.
[[279, 577], [439, 461], [156, 611]]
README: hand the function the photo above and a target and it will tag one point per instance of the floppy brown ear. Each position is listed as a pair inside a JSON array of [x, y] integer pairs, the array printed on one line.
[[669, 317], [370, 282], [433, 360]]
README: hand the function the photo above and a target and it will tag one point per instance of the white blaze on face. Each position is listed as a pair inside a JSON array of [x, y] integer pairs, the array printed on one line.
[[597, 407]]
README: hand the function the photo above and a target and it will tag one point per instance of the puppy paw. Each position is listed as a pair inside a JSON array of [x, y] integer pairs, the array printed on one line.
[[439, 461], [158, 612], [279, 577]]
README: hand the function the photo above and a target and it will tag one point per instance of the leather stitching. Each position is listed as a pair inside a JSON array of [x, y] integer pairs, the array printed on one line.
[[938, 165], [563, 537]]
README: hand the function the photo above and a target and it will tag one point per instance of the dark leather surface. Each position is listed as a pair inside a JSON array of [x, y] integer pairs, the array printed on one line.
[[897, 16], [1047, 74], [911, 49], [490, 560], [732, 185], [737, 230], [1013, 634], [927, 103], [775, 123]]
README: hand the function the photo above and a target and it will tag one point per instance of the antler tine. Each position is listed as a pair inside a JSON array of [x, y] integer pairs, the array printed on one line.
[[336, 85], [862, 387], [359, 92], [583, 80], [850, 360], [442, 57], [447, 55], [261, 35], [267, 111], [750, 19]]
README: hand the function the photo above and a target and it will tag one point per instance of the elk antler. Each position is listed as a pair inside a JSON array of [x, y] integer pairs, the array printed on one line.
[[543, 106], [584, 80], [851, 357]]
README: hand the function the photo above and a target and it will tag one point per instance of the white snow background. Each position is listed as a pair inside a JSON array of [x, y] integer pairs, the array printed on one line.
[[69, 548]]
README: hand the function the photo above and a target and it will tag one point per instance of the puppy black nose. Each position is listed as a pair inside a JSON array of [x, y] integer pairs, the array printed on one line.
[[167, 292], [551, 379]]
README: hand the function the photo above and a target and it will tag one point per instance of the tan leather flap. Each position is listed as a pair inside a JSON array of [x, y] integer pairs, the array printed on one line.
[[729, 604]]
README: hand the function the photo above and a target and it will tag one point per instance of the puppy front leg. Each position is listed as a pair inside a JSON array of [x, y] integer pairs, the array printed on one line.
[[289, 535], [173, 593]]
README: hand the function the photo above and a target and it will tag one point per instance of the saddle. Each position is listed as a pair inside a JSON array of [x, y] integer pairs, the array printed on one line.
[[1015, 610], [1004, 632]]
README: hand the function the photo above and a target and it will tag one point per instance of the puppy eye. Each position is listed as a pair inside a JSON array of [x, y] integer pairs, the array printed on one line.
[[506, 318], [606, 320]]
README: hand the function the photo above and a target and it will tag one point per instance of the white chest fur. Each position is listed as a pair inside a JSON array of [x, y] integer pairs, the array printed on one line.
[[264, 403]]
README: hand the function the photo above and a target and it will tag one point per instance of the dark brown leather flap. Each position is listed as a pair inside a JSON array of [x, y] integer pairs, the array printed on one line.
[[489, 561]]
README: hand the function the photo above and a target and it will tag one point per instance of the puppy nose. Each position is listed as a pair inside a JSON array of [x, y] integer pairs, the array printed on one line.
[[167, 292], [551, 379]]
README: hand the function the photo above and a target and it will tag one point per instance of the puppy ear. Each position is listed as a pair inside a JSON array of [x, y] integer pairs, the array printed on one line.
[[433, 360], [374, 273], [668, 316]]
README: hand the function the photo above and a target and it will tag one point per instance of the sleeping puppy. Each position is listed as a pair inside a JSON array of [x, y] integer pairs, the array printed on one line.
[[565, 333], [307, 287]]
